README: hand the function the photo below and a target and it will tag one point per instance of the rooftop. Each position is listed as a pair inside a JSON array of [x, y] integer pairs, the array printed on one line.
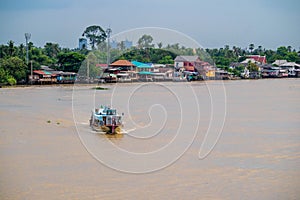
[[187, 58], [120, 63]]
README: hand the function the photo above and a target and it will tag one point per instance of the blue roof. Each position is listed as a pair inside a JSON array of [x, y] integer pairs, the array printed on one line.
[[145, 73], [141, 65]]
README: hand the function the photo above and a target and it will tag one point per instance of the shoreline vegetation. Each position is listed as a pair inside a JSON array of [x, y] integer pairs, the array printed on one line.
[[25, 64]]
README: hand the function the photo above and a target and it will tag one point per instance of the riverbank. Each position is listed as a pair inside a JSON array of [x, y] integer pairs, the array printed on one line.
[[134, 82]]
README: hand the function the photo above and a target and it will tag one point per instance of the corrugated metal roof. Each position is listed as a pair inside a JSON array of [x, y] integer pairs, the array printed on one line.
[[145, 73], [122, 63], [141, 65], [258, 58]]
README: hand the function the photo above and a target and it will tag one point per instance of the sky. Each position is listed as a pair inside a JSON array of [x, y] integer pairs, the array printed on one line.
[[212, 23]]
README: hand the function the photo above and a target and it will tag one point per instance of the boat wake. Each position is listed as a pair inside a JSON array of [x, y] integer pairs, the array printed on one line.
[[128, 131]]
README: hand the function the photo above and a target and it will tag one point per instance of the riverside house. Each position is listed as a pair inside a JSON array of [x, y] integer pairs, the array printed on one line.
[[123, 71], [183, 64], [47, 75]]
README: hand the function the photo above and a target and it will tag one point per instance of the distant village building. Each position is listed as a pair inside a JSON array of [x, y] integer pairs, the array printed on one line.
[[186, 63], [123, 65], [47, 75], [291, 68], [279, 62], [194, 64], [257, 59], [82, 43]]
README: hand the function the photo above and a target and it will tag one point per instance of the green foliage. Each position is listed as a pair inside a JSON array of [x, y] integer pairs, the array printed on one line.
[[70, 61], [149, 55], [160, 44], [238, 70], [95, 35], [145, 42], [252, 67], [15, 67], [88, 67], [3, 76], [51, 50], [241, 58], [6, 78], [166, 60], [11, 80]]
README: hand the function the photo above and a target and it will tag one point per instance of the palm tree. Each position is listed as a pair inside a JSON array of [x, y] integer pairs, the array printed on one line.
[[226, 50], [259, 49], [21, 52], [11, 48], [251, 47], [51, 49], [160, 44]]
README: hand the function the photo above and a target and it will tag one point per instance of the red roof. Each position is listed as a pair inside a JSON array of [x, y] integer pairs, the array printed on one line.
[[121, 63], [44, 73], [102, 65], [258, 58], [39, 72]]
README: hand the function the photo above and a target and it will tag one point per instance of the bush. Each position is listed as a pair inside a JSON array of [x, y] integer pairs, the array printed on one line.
[[11, 80]]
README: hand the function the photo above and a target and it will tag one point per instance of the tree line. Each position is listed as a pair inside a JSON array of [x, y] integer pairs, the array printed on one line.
[[13, 67]]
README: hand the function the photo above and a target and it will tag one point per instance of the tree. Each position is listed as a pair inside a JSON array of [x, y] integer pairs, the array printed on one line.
[[282, 52], [145, 42], [95, 34], [252, 67], [6, 78], [15, 67], [70, 61], [166, 60], [51, 49], [251, 47], [149, 55], [292, 57], [160, 44], [11, 48], [235, 51], [259, 49], [3, 51], [88, 67], [21, 52]]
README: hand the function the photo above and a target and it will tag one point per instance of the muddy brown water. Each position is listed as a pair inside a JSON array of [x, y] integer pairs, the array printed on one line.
[[47, 150]]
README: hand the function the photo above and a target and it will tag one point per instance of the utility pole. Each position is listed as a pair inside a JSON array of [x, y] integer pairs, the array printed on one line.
[[108, 32], [27, 38], [88, 69], [31, 73]]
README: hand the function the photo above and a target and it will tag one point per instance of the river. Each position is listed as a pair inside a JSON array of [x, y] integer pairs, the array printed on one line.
[[200, 140]]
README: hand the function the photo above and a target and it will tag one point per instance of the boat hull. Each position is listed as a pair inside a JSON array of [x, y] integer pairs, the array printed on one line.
[[107, 129]]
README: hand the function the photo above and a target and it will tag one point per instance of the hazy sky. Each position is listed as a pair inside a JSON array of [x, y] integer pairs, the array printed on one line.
[[212, 23]]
